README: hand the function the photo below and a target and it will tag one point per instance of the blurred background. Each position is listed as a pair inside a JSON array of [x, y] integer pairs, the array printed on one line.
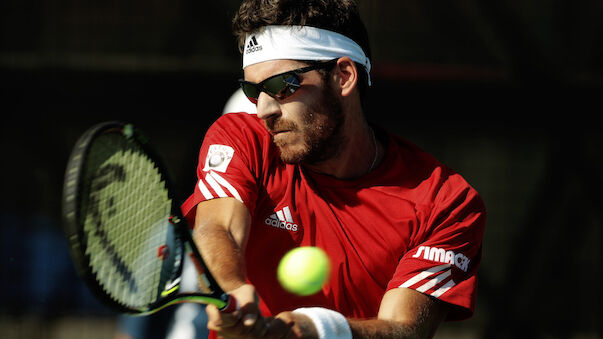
[[506, 92]]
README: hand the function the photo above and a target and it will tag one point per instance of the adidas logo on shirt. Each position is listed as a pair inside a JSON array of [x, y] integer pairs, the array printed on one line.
[[282, 219], [252, 46]]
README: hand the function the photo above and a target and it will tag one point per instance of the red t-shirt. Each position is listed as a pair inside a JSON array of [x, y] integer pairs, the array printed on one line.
[[412, 222]]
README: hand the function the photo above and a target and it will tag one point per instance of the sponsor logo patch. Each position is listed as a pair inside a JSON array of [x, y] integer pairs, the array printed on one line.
[[441, 255], [282, 219], [218, 158]]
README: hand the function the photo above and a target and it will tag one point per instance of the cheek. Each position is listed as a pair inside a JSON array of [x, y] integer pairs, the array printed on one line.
[[292, 110]]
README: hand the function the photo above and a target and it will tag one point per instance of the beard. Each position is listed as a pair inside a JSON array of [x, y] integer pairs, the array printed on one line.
[[321, 131]]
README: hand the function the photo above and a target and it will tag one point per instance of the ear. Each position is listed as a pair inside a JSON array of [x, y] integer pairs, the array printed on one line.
[[346, 76]]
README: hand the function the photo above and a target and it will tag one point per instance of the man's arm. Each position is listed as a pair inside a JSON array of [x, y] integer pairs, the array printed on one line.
[[404, 313], [221, 231]]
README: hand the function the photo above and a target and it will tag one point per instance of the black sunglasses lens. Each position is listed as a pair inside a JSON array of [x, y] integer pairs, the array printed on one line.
[[282, 85], [250, 91], [279, 86]]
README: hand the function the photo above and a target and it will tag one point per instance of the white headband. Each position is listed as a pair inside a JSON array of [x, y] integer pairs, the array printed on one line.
[[301, 43]]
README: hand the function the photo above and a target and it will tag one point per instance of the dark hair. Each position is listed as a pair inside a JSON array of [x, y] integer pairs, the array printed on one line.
[[341, 16]]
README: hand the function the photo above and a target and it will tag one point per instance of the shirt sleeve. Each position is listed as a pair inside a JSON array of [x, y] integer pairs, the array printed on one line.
[[444, 260], [228, 163]]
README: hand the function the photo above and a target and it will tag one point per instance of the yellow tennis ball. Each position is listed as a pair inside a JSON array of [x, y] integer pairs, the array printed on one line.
[[304, 270]]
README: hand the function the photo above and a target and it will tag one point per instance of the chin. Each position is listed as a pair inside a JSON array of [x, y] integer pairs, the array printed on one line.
[[292, 155]]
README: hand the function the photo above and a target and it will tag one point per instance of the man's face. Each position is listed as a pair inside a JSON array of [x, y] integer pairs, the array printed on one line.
[[307, 126]]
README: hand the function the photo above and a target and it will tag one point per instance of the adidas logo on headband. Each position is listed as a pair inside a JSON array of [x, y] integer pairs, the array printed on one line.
[[252, 46]]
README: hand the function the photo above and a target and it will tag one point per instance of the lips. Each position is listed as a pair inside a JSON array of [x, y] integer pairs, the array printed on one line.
[[277, 127], [278, 132]]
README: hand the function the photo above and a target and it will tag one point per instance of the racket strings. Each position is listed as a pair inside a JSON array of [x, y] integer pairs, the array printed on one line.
[[126, 222]]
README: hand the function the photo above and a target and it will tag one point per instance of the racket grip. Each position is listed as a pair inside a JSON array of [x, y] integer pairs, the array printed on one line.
[[231, 305]]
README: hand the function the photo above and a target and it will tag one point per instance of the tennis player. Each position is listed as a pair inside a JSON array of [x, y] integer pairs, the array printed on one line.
[[403, 231]]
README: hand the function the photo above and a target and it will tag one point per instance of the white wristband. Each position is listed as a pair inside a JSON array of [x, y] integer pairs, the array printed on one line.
[[329, 324]]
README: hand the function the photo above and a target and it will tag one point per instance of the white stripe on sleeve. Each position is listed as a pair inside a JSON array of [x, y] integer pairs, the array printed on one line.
[[437, 293], [206, 193], [225, 183], [431, 283], [214, 184], [424, 275]]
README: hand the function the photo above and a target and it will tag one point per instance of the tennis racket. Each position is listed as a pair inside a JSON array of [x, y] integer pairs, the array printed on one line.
[[127, 235]]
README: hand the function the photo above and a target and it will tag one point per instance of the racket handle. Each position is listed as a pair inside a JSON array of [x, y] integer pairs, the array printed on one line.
[[231, 305]]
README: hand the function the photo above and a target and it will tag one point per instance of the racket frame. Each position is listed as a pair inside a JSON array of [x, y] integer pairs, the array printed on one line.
[[72, 190]]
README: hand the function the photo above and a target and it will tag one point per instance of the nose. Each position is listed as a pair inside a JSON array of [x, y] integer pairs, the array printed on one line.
[[267, 107]]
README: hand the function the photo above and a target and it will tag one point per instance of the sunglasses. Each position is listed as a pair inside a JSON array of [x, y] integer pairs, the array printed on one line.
[[283, 85]]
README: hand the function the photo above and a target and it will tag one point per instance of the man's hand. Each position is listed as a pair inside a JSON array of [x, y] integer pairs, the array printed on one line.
[[291, 325], [245, 322]]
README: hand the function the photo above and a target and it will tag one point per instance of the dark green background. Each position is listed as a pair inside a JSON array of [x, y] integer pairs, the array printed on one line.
[[506, 92]]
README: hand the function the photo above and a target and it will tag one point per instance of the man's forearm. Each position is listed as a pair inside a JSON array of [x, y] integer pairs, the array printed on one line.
[[222, 255], [404, 313], [377, 328], [304, 326]]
